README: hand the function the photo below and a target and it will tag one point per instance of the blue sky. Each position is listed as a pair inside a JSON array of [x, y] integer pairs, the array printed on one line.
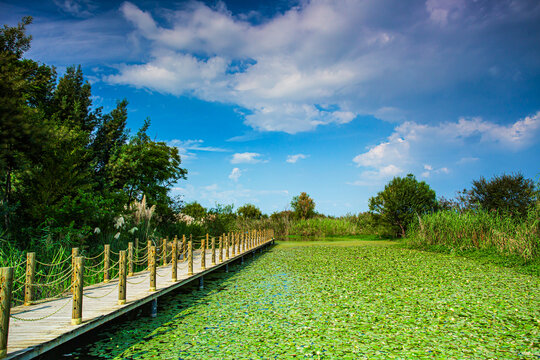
[[266, 99]]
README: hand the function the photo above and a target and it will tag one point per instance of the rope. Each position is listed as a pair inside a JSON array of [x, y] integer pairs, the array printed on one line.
[[19, 264], [65, 277], [96, 265], [101, 296], [94, 257], [19, 279], [60, 274], [51, 265], [99, 271], [43, 317], [20, 287], [140, 282], [157, 273]]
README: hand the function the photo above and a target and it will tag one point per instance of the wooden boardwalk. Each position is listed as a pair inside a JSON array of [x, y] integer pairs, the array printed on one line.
[[28, 339]]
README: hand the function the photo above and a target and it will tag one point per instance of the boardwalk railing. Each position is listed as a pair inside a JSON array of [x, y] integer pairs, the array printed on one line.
[[68, 278]]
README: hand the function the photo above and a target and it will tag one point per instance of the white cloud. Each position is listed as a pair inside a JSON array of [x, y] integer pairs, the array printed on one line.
[[294, 158], [411, 144], [393, 151], [80, 8], [235, 174], [280, 70], [245, 158], [186, 148]]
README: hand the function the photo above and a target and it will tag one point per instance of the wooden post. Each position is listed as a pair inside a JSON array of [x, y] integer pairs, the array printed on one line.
[[174, 258], [136, 249], [232, 245], [76, 310], [226, 247], [164, 252], [148, 246], [220, 256], [74, 254], [238, 242], [203, 254], [130, 259], [30, 273], [213, 251], [122, 277], [184, 248], [6, 283], [190, 258], [106, 260], [152, 266]]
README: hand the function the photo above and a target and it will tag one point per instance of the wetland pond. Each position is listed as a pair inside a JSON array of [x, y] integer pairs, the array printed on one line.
[[338, 300]]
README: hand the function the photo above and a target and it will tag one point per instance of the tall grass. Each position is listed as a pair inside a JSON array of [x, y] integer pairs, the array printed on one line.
[[479, 230], [324, 227]]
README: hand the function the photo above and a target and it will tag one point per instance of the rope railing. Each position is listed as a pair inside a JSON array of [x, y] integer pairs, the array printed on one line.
[[94, 257], [56, 280], [56, 264]]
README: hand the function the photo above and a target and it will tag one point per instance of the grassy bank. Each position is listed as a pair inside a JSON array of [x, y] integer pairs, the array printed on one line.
[[478, 230]]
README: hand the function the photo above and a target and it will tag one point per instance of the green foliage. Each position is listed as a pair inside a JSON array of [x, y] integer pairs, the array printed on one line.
[[479, 229], [195, 210], [303, 206], [508, 194], [369, 301], [249, 211], [221, 219], [401, 201], [66, 166]]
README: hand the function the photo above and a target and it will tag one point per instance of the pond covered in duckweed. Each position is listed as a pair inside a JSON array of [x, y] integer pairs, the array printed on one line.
[[343, 300]]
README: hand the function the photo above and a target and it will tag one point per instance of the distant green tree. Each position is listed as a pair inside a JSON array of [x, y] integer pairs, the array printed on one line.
[[401, 201], [249, 211], [508, 194], [303, 206], [195, 210]]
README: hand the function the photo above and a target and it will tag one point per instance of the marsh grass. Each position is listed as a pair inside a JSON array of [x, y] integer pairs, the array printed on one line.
[[479, 230]]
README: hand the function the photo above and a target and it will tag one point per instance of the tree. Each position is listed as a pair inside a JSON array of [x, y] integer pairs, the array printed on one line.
[[146, 167], [249, 211], [401, 201], [194, 209], [508, 194], [303, 206]]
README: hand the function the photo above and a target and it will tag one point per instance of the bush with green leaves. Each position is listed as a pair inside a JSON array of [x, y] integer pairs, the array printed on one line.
[[511, 194], [401, 201]]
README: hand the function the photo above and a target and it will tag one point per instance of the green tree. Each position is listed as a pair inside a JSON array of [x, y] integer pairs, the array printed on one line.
[[249, 211], [401, 201], [25, 90], [195, 210], [508, 194], [303, 206], [146, 167]]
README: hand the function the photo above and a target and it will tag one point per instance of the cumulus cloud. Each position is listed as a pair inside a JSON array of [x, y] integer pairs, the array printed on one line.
[[408, 147], [245, 158], [235, 174], [294, 158], [347, 54]]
